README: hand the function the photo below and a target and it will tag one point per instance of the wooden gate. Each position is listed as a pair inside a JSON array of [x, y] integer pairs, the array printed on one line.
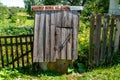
[[16, 51], [104, 39], [55, 34]]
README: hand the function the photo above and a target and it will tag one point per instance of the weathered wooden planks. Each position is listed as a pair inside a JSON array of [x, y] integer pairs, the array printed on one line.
[[47, 36], [36, 28], [117, 36], [91, 42], [52, 37], [75, 32], [55, 35], [110, 44], [104, 39]]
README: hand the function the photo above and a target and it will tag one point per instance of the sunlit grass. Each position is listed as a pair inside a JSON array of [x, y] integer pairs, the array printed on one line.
[[108, 73]]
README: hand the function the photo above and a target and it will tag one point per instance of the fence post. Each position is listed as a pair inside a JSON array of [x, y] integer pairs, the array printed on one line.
[[110, 45], [104, 39], [91, 44]]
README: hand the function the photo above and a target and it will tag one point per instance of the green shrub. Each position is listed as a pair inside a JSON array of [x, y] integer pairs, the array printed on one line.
[[16, 30], [83, 38]]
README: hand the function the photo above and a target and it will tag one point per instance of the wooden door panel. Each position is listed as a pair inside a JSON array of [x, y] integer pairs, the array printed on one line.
[[64, 43]]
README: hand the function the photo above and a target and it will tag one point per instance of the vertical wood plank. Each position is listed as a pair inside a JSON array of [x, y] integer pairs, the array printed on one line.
[[53, 22], [47, 40], [36, 36], [1, 51], [17, 51], [97, 40], [75, 31], [64, 19], [58, 24], [63, 44], [11, 42], [26, 42], [21, 49], [6, 52], [69, 24], [63, 35], [110, 45], [104, 39], [91, 46], [58, 18], [57, 43], [70, 32], [69, 45], [31, 48], [117, 35], [41, 38]]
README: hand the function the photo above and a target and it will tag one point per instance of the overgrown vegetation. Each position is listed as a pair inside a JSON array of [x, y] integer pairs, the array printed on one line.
[[102, 73], [16, 30]]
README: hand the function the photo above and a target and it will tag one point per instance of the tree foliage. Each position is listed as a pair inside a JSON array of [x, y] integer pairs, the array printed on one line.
[[94, 7], [4, 12], [90, 6]]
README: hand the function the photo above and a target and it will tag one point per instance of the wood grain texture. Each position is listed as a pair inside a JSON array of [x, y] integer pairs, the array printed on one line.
[[91, 44], [52, 35], [57, 43], [97, 40], [104, 39], [58, 32], [36, 30], [110, 45], [41, 36], [63, 44], [117, 35], [75, 31], [47, 37]]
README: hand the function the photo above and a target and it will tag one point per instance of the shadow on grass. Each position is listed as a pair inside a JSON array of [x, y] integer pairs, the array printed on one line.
[[31, 72]]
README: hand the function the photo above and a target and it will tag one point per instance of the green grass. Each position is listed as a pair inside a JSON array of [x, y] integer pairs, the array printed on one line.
[[108, 73]]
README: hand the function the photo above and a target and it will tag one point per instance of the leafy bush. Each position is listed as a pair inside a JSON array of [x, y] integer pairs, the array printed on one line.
[[16, 30], [80, 65], [83, 38], [14, 18]]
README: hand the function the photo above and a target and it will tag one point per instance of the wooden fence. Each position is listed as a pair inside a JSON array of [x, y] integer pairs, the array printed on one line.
[[104, 38], [16, 51]]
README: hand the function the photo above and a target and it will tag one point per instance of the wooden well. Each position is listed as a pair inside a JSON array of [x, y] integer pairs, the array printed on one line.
[[55, 34]]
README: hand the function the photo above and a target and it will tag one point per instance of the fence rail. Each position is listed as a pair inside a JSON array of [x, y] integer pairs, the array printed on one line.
[[104, 38], [16, 51]]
